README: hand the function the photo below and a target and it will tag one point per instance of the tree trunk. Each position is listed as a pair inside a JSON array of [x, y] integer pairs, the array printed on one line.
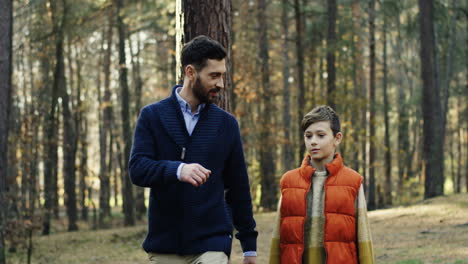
[[69, 128], [372, 204], [300, 71], [82, 124], [388, 153], [211, 18], [359, 86], [127, 188], [288, 155], [105, 131], [432, 111], [267, 167], [403, 119], [331, 47], [138, 86], [50, 145], [6, 27]]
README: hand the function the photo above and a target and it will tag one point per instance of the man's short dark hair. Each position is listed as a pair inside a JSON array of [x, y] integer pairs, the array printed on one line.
[[201, 48], [322, 113]]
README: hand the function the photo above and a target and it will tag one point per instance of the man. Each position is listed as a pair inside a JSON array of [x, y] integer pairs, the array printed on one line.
[[189, 152]]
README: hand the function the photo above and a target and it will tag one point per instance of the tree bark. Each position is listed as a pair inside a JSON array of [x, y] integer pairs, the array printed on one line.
[[359, 133], [300, 71], [267, 167], [431, 106], [372, 203], [212, 18], [388, 153], [105, 131], [403, 120], [127, 188], [6, 27], [331, 47], [69, 125], [288, 155], [138, 86]]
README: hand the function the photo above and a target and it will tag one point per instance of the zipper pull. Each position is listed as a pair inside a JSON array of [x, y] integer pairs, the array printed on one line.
[[182, 156]]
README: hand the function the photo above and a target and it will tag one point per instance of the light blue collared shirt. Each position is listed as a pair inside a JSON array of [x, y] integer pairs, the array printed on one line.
[[191, 119]]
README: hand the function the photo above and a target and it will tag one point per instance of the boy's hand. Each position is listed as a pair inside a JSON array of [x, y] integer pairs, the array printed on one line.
[[194, 174], [250, 260]]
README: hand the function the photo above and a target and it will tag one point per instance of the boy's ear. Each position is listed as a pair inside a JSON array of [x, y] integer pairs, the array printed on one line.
[[338, 138]]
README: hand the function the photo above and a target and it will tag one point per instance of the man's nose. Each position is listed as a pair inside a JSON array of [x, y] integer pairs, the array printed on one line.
[[220, 83]]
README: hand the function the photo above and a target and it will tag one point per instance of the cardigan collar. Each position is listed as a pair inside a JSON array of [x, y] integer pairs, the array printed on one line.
[[173, 120]]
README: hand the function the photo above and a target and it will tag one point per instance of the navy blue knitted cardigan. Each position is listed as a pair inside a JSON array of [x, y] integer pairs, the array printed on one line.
[[184, 219]]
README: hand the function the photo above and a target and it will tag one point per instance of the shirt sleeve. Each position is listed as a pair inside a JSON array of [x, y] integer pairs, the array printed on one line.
[[179, 171], [364, 238]]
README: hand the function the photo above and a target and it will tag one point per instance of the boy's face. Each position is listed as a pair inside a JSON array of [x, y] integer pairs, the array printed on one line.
[[320, 142]]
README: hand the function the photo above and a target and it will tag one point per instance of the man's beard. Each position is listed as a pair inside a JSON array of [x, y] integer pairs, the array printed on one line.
[[202, 95]]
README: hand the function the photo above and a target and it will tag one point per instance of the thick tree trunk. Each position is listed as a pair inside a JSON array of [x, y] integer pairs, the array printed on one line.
[[138, 86], [6, 26], [82, 125], [433, 151], [300, 71], [288, 155], [403, 120], [372, 203], [359, 85], [267, 167], [388, 153], [331, 47], [212, 18], [127, 188], [105, 132], [69, 129]]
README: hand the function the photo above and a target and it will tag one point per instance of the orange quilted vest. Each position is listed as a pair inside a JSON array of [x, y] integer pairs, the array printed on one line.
[[341, 189]]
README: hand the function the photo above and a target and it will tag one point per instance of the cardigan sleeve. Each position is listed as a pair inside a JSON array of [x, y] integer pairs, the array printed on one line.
[[144, 168], [364, 243], [237, 191]]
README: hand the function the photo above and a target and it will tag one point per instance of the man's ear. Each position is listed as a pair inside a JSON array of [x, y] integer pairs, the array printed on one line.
[[190, 72]]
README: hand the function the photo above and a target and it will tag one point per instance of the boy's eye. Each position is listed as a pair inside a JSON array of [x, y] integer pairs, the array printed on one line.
[[321, 135]]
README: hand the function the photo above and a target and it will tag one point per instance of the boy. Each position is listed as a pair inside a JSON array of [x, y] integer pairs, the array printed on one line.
[[322, 215]]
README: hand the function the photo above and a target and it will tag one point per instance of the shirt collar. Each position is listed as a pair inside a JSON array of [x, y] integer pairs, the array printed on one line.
[[186, 106]]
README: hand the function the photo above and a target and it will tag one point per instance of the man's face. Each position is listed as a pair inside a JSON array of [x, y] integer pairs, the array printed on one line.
[[209, 81]]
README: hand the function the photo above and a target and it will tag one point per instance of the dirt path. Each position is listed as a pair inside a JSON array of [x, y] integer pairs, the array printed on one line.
[[433, 231]]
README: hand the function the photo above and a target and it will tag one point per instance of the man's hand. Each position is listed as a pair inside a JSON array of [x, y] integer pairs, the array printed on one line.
[[194, 174], [250, 260]]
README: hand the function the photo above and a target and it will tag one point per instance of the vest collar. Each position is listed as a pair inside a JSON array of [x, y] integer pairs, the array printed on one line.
[[333, 167]]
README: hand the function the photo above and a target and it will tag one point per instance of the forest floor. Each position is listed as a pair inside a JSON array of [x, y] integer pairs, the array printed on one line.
[[432, 231]]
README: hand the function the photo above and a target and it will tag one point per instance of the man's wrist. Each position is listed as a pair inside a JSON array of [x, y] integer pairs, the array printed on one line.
[[179, 171], [250, 254]]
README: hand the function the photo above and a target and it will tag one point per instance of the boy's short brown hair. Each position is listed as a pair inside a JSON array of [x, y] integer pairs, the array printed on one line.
[[322, 113]]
